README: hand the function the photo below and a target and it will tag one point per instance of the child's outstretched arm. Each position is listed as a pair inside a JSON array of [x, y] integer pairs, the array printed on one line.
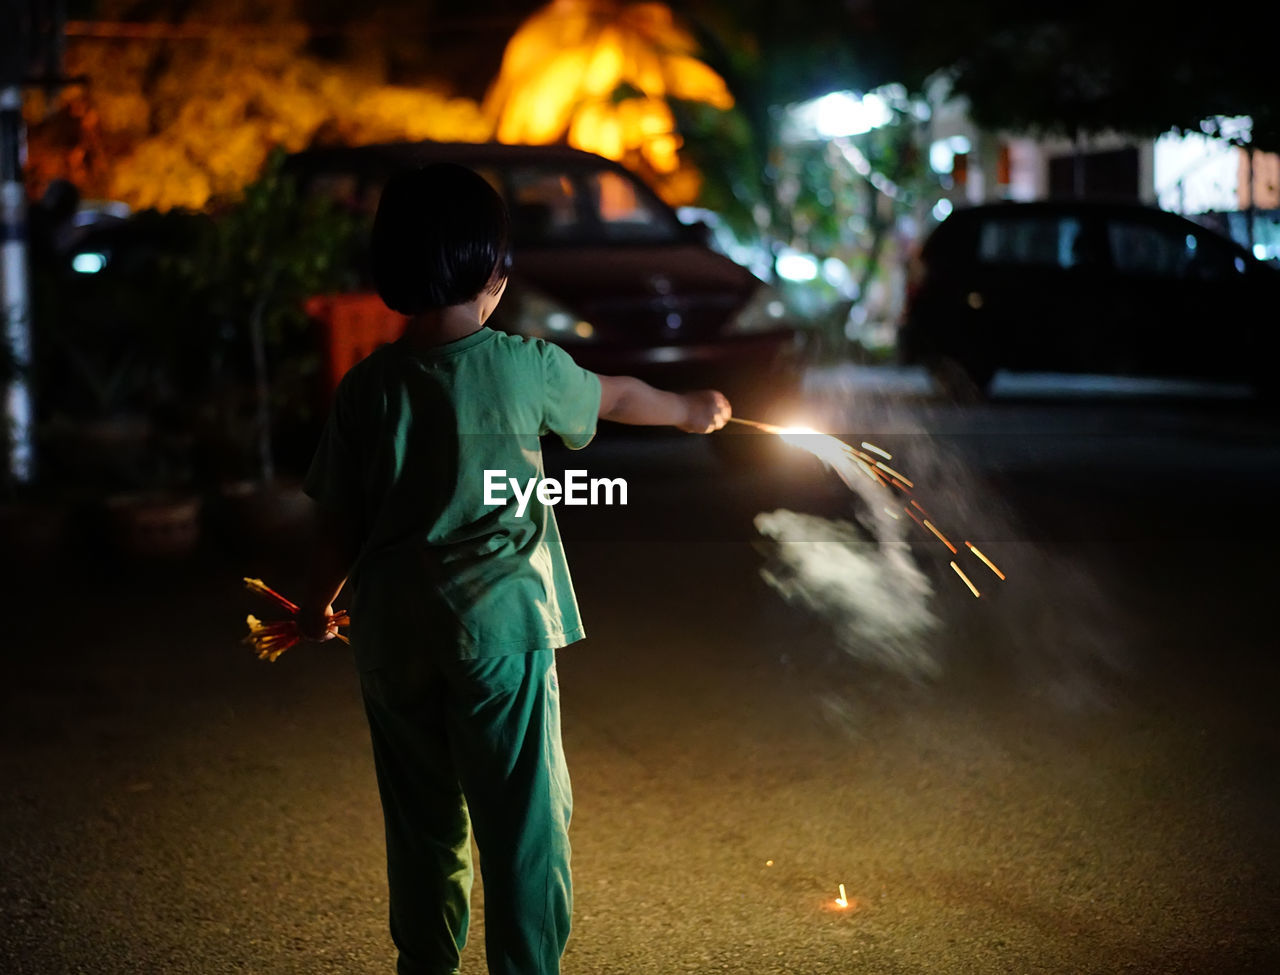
[[335, 544], [625, 399]]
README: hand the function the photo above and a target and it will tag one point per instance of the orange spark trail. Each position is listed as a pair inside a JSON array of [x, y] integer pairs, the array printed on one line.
[[972, 588], [986, 561], [892, 473], [942, 538], [877, 450]]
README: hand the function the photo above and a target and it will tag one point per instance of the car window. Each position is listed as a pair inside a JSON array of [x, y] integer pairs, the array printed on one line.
[[1040, 240], [625, 214], [1141, 248], [1211, 259], [545, 206]]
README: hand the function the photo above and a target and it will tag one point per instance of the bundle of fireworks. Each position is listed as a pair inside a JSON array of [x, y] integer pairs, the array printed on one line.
[[274, 637]]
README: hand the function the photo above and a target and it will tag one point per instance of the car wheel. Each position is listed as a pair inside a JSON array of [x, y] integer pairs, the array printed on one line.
[[962, 381]]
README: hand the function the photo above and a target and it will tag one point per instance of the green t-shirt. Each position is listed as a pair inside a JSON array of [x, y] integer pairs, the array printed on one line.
[[404, 455]]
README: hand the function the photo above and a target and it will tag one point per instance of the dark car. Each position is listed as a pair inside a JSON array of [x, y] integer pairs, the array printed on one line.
[[600, 265], [1087, 287]]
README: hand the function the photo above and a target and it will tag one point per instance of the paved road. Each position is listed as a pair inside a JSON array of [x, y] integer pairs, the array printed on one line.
[[1075, 774]]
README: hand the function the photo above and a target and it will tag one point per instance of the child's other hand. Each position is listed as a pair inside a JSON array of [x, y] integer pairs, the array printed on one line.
[[706, 410], [316, 624]]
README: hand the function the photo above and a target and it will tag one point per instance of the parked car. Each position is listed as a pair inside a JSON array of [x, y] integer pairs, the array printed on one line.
[[1087, 287], [600, 265]]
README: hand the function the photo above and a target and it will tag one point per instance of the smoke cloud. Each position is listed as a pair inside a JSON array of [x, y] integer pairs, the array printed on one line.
[[888, 593]]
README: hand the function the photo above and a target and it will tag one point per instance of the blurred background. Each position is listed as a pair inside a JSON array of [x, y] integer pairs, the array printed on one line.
[[1014, 694], [164, 258]]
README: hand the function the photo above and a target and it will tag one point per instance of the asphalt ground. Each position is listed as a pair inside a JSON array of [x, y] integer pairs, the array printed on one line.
[[1088, 783]]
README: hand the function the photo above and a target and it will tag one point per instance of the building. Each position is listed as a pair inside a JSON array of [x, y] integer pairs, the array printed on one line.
[[1211, 180]]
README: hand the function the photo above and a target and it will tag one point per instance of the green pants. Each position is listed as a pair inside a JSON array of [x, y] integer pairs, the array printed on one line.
[[477, 737]]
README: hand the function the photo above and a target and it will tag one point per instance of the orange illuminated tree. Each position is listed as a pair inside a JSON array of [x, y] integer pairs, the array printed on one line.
[[183, 115], [599, 74]]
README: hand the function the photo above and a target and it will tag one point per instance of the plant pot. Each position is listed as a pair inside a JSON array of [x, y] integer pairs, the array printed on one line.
[[155, 526]]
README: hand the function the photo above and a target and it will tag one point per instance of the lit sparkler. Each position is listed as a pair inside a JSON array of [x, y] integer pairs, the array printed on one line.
[[842, 457], [842, 901]]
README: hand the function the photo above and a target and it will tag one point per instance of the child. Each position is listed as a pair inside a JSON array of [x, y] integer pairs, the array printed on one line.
[[458, 607]]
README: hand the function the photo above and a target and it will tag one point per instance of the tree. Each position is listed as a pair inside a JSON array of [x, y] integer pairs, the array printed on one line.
[[1131, 66], [601, 75], [184, 114], [840, 198]]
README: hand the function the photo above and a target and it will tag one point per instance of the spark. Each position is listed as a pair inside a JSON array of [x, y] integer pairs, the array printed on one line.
[[892, 514], [842, 900], [916, 504], [972, 588], [822, 445], [941, 537], [894, 474], [986, 561], [871, 472], [877, 450]]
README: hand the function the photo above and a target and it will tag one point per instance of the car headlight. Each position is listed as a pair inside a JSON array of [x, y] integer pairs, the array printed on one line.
[[765, 311], [533, 313]]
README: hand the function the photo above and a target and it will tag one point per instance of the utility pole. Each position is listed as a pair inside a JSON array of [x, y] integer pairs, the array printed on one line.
[[15, 290], [15, 277], [30, 52]]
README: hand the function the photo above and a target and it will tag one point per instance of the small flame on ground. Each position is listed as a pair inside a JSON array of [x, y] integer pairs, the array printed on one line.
[[877, 450], [972, 588], [842, 901], [986, 561]]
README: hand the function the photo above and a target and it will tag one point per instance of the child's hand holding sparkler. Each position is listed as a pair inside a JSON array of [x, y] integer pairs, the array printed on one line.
[[318, 623], [273, 638], [707, 410]]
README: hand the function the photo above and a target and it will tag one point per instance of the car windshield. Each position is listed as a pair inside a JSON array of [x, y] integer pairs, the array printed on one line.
[[553, 206], [550, 205]]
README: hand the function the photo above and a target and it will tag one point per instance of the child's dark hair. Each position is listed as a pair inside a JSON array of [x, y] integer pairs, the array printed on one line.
[[439, 238]]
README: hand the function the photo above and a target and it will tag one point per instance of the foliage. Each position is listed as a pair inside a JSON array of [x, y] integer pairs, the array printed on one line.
[[187, 120], [1149, 71], [844, 199], [601, 75], [265, 256], [1135, 66]]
